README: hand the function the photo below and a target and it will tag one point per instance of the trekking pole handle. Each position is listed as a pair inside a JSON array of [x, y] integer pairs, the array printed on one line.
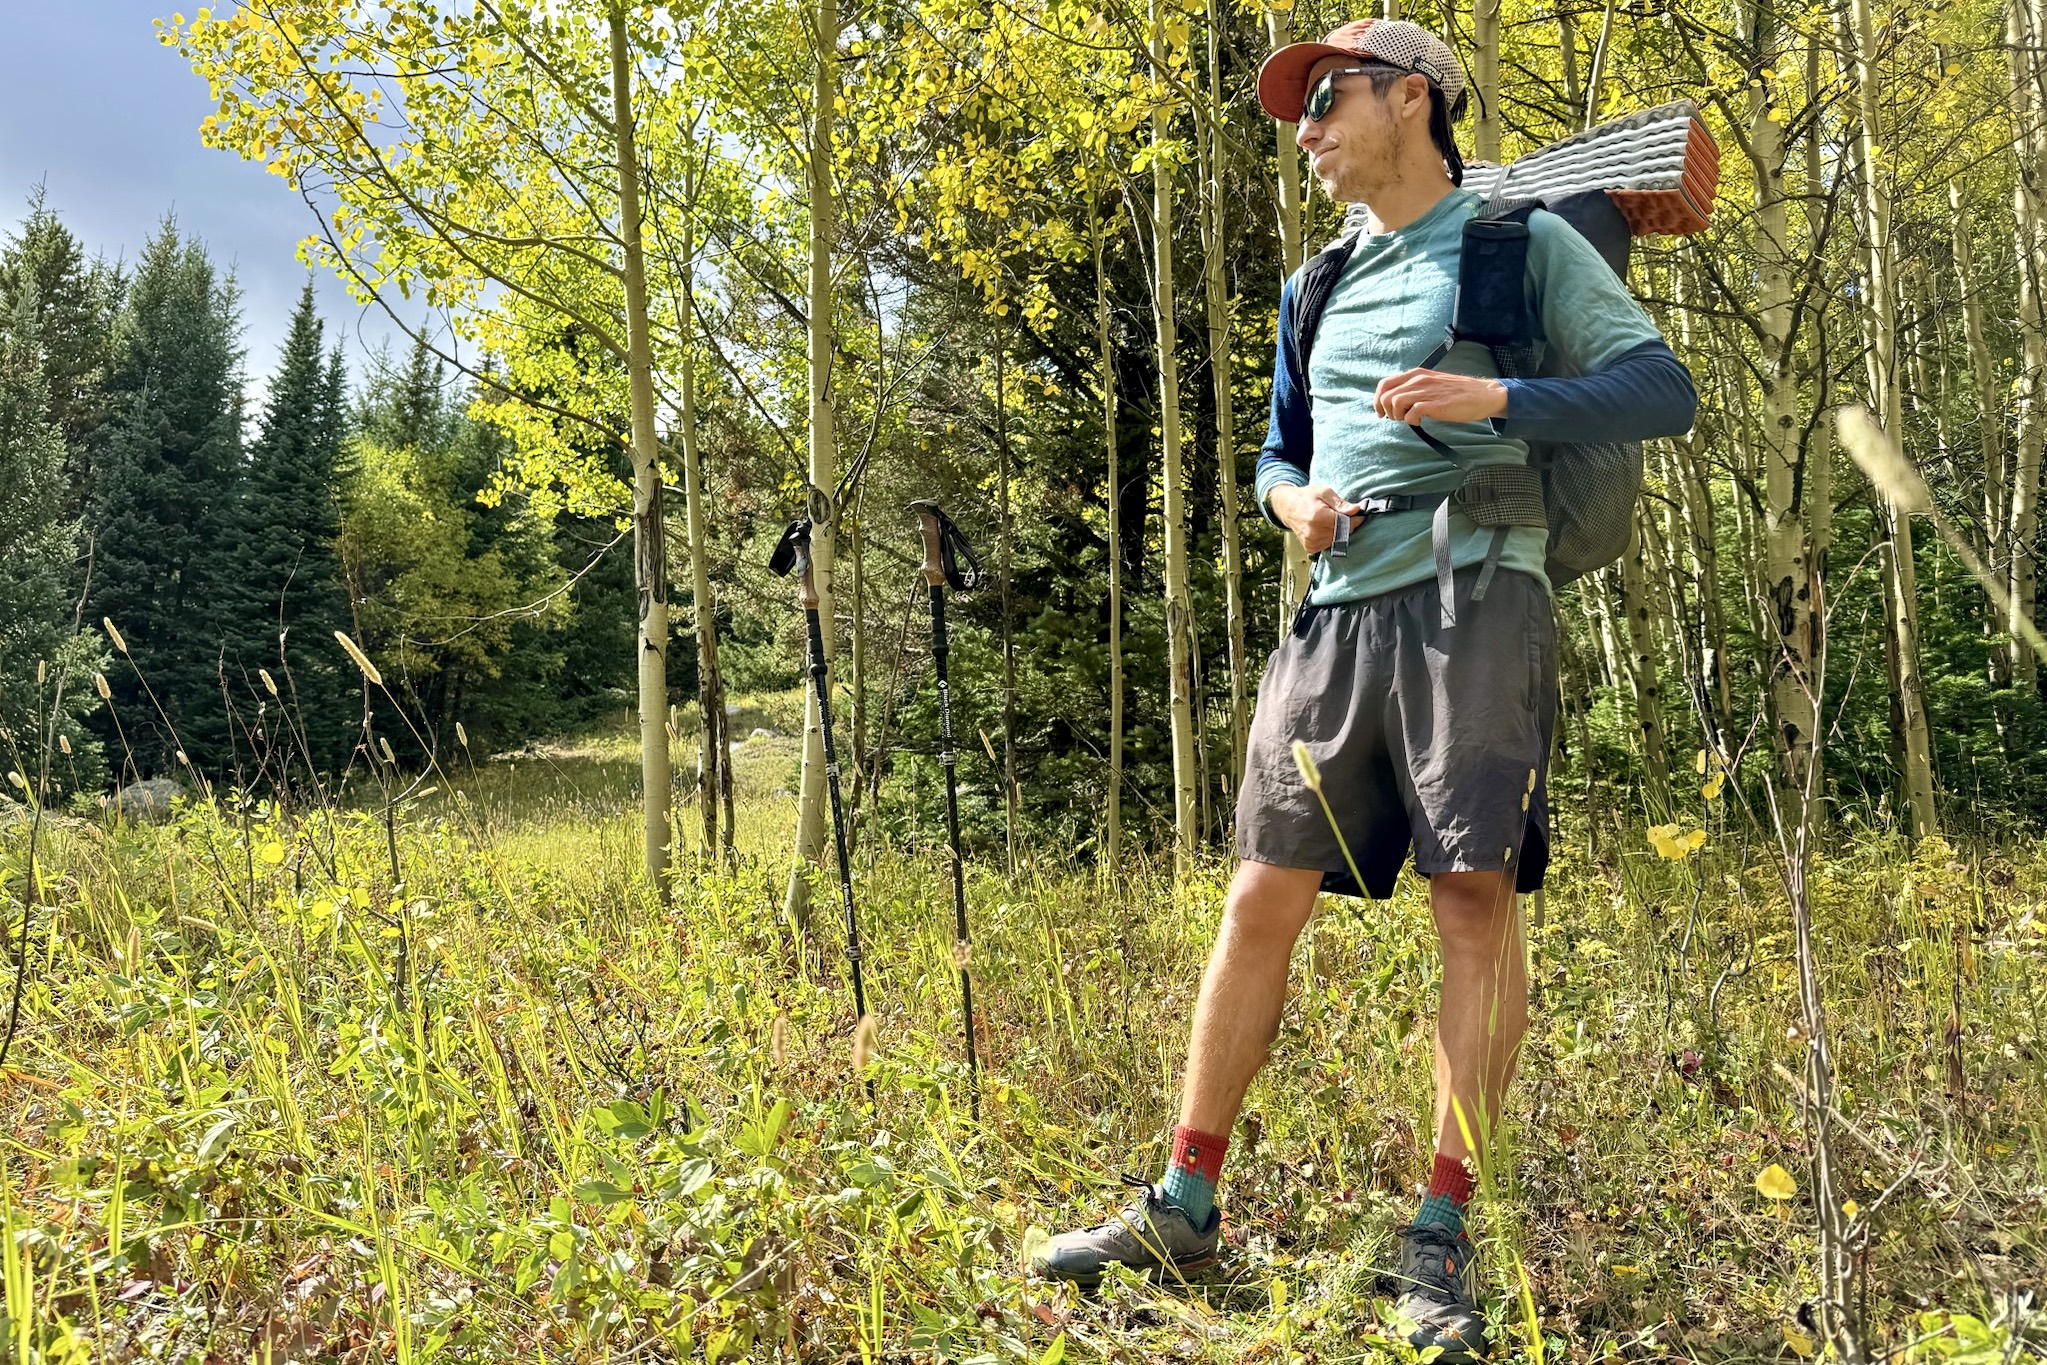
[[934, 559], [806, 579], [792, 555]]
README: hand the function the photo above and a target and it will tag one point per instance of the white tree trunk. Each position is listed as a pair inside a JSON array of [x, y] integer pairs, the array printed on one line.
[[2023, 31], [1901, 578], [1112, 833], [1293, 579], [650, 550], [1989, 414], [1485, 79], [1179, 605], [714, 751], [1214, 247], [1644, 679], [824, 441]]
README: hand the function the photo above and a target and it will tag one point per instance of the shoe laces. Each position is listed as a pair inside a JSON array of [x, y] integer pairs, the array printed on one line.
[[1437, 1273], [1150, 1197]]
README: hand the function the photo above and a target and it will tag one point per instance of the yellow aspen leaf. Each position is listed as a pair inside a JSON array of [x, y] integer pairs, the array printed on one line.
[[1850, 1208], [1699, 763], [1774, 1182]]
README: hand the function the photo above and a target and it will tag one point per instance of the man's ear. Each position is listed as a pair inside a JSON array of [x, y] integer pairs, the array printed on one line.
[[1414, 97]]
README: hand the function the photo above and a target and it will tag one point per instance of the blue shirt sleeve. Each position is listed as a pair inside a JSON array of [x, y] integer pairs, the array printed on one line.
[[1624, 384], [1644, 393], [1290, 436]]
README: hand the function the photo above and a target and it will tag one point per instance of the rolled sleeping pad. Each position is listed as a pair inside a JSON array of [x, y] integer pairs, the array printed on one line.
[[1659, 167]]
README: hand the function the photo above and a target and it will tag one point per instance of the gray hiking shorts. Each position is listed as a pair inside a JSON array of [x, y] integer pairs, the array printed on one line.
[[1424, 736]]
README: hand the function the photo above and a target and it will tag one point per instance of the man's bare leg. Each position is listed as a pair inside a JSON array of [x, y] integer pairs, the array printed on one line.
[[1484, 1011], [1243, 990], [1174, 1225], [1479, 1026]]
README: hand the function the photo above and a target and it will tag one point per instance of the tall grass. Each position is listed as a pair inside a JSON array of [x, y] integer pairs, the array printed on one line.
[[270, 1100]]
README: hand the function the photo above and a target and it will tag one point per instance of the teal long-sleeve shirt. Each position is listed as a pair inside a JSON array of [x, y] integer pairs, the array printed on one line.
[[1390, 307]]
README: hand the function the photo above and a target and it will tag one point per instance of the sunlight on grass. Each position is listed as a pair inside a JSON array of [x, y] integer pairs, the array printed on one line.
[[266, 1100]]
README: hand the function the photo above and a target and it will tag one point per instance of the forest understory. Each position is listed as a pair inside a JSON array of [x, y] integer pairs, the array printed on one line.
[[267, 1101]]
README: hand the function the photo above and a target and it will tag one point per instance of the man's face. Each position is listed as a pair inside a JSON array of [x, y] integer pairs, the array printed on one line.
[[1357, 147]]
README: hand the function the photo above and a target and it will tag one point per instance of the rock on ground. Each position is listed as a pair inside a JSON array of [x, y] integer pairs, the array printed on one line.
[[147, 802]]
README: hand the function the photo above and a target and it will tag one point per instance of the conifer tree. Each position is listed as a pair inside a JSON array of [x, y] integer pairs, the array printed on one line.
[[161, 515], [284, 600], [71, 303], [46, 664]]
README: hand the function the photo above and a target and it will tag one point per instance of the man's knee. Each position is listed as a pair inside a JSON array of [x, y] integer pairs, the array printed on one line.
[[1474, 911], [1268, 903]]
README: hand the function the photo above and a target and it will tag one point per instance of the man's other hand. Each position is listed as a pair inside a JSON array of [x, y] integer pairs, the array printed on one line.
[[1310, 512], [1414, 394]]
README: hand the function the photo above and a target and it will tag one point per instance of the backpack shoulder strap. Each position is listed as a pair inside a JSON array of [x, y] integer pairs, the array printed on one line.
[[1312, 288]]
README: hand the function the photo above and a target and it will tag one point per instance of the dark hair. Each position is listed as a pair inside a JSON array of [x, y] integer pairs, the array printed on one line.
[[1439, 131], [1384, 75]]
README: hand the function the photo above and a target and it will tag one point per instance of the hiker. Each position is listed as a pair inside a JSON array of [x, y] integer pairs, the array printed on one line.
[[1429, 721]]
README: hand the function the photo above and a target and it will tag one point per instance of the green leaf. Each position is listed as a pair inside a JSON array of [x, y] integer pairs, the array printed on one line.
[[694, 1175], [209, 1146], [601, 1192]]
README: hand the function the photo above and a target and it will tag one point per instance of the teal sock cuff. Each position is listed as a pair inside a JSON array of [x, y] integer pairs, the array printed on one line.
[[1190, 1193], [1441, 1211]]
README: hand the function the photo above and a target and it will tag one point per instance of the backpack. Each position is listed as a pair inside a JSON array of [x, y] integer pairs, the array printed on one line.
[[1582, 495]]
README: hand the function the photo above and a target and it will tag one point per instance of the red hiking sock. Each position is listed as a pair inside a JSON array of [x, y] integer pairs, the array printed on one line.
[[1191, 1175], [1451, 1179], [1449, 1194]]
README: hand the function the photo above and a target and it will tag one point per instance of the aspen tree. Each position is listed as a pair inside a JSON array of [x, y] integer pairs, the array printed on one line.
[[1179, 605], [1112, 833], [1279, 15], [1214, 249], [1694, 488], [650, 541], [2029, 208], [824, 443], [1010, 794], [1900, 578], [1485, 79], [1643, 682], [448, 203], [1787, 596], [1988, 412], [715, 741]]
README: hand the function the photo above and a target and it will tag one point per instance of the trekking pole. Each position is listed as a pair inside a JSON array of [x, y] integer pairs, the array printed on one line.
[[792, 554], [944, 547]]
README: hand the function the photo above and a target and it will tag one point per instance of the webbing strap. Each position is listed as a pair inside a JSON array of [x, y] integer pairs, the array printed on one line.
[[1339, 546], [1500, 487], [1446, 575], [1492, 562]]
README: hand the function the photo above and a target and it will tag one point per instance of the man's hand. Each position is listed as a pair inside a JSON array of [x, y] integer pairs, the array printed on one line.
[[1414, 394], [1310, 512]]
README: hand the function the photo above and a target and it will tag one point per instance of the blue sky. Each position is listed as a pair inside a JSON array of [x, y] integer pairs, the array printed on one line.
[[92, 106]]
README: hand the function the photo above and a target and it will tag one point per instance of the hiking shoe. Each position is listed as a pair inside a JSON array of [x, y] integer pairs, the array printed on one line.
[[1149, 1235], [1438, 1300]]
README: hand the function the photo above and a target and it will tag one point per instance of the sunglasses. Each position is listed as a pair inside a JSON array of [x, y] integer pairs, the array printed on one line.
[[1322, 94]]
